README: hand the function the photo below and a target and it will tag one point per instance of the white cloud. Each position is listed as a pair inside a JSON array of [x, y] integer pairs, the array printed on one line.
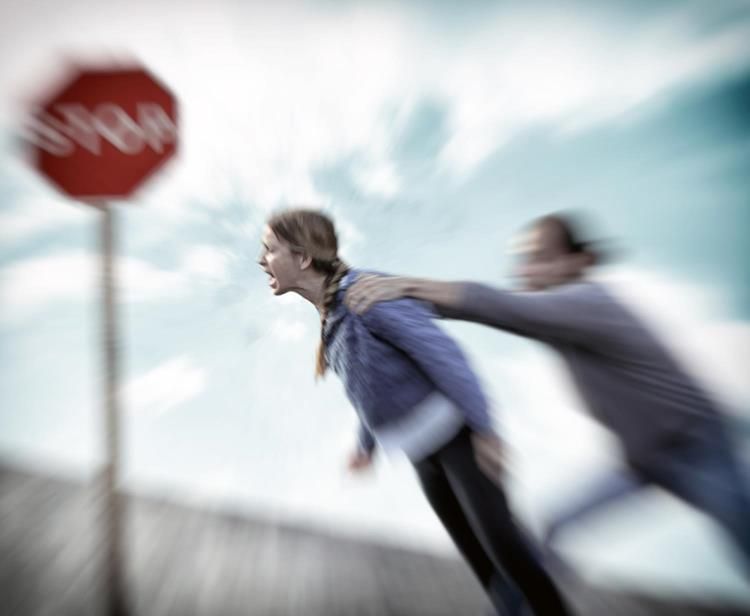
[[288, 330], [269, 94], [290, 299], [287, 114], [569, 70], [206, 261], [32, 216], [164, 388], [29, 286], [349, 235], [378, 178], [142, 281]]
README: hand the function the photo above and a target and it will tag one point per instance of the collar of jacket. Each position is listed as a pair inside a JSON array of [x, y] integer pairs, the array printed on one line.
[[338, 310]]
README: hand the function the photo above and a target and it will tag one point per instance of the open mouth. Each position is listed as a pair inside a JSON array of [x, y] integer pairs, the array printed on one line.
[[272, 282]]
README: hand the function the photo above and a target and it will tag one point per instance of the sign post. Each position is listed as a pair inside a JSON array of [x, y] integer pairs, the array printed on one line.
[[116, 596], [98, 138]]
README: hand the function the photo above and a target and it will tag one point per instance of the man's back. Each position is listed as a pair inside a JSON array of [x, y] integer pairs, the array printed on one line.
[[626, 376]]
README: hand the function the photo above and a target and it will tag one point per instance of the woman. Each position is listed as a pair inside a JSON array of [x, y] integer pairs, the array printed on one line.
[[413, 390]]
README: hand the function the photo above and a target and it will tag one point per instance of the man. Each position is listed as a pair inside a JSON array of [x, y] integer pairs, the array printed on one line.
[[672, 434]]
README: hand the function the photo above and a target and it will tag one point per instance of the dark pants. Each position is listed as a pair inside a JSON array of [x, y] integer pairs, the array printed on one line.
[[704, 471], [475, 513], [700, 467]]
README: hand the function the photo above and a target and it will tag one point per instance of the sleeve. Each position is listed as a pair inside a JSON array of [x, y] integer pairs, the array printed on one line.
[[365, 439], [407, 325], [567, 314]]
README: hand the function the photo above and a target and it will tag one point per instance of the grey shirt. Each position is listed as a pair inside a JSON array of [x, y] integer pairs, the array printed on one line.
[[625, 375]]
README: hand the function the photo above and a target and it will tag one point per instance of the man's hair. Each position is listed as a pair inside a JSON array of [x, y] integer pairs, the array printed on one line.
[[574, 229]]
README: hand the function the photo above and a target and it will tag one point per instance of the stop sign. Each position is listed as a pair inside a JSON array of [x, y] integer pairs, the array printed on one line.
[[104, 132]]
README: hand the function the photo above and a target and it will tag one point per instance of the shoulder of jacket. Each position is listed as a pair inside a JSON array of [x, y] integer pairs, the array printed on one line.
[[351, 276]]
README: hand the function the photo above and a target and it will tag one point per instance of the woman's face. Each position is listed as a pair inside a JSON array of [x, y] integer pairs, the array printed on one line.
[[279, 262]]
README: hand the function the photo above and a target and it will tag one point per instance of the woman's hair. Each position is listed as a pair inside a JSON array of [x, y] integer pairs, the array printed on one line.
[[312, 233]]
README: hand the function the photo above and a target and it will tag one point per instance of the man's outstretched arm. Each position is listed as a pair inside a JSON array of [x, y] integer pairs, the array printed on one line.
[[369, 290], [566, 313]]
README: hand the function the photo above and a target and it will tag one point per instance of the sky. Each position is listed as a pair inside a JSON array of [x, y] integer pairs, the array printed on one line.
[[431, 134]]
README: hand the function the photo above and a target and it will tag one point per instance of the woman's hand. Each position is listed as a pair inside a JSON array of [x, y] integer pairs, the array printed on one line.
[[369, 290], [359, 461], [489, 453]]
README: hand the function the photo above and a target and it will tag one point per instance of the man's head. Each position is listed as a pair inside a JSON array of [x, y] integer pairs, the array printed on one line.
[[553, 253]]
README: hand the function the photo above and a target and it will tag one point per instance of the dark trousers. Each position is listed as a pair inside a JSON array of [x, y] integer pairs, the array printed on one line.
[[475, 513], [704, 471], [700, 467]]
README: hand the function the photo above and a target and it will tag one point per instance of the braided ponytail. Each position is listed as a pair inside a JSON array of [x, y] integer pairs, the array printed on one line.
[[336, 271]]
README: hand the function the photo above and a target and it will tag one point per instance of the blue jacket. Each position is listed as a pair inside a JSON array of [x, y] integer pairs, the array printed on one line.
[[392, 357]]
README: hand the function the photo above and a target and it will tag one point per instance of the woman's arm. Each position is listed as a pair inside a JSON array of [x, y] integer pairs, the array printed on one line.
[[362, 457], [365, 439]]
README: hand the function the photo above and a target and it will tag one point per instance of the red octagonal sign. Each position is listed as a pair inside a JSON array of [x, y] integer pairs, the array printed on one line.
[[104, 132]]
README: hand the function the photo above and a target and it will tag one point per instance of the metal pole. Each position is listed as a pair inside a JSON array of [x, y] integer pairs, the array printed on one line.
[[115, 597]]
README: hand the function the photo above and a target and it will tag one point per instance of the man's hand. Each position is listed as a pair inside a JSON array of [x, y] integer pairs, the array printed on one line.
[[359, 461], [489, 454], [369, 290]]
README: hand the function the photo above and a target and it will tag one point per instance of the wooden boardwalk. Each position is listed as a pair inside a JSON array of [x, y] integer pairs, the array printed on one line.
[[182, 561]]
